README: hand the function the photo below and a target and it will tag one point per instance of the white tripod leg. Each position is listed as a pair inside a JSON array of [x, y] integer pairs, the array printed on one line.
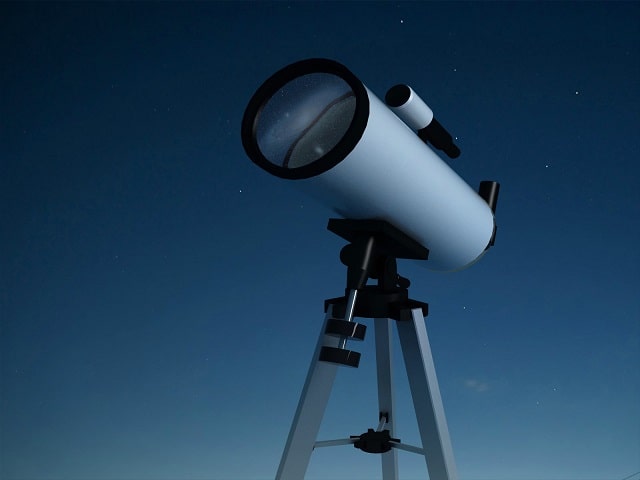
[[385, 392], [311, 406], [426, 396]]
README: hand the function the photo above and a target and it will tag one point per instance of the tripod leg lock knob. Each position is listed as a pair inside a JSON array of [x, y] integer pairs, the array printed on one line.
[[340, 356]]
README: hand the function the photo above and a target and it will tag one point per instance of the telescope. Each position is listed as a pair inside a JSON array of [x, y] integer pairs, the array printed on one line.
[[316, 124]]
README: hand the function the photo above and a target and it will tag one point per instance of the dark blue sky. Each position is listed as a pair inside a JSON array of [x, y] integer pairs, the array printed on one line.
[[161, 296]]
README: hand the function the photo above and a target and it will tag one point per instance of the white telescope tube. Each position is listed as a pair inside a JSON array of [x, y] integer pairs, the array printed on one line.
[[314, 122]]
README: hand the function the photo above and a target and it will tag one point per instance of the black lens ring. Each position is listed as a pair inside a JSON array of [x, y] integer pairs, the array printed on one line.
[[272, 85]]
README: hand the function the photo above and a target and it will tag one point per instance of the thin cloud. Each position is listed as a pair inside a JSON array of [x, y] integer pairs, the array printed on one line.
[[476, 385]]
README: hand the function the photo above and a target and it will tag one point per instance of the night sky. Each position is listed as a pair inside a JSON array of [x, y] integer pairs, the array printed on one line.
[[161, 295]]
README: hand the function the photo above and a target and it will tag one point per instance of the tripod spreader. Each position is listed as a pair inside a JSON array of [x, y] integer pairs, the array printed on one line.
[[374, 442]]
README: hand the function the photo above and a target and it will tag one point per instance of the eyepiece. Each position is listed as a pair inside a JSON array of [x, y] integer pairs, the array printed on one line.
[[489, 192]]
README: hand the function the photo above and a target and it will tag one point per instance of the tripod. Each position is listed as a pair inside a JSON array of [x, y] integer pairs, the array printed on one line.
[[371, 254]]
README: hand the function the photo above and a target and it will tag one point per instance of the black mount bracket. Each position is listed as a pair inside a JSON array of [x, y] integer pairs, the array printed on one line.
[[375, 246]]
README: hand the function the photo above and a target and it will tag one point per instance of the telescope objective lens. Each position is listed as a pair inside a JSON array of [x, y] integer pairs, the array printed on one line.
[[305, 119]]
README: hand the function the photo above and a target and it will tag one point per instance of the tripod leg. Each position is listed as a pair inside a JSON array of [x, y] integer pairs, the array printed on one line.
[[311, 406], [385, 392], [426, 396]]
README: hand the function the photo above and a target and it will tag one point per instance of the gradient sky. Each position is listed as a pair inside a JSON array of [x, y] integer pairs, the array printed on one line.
[[161, 296]]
